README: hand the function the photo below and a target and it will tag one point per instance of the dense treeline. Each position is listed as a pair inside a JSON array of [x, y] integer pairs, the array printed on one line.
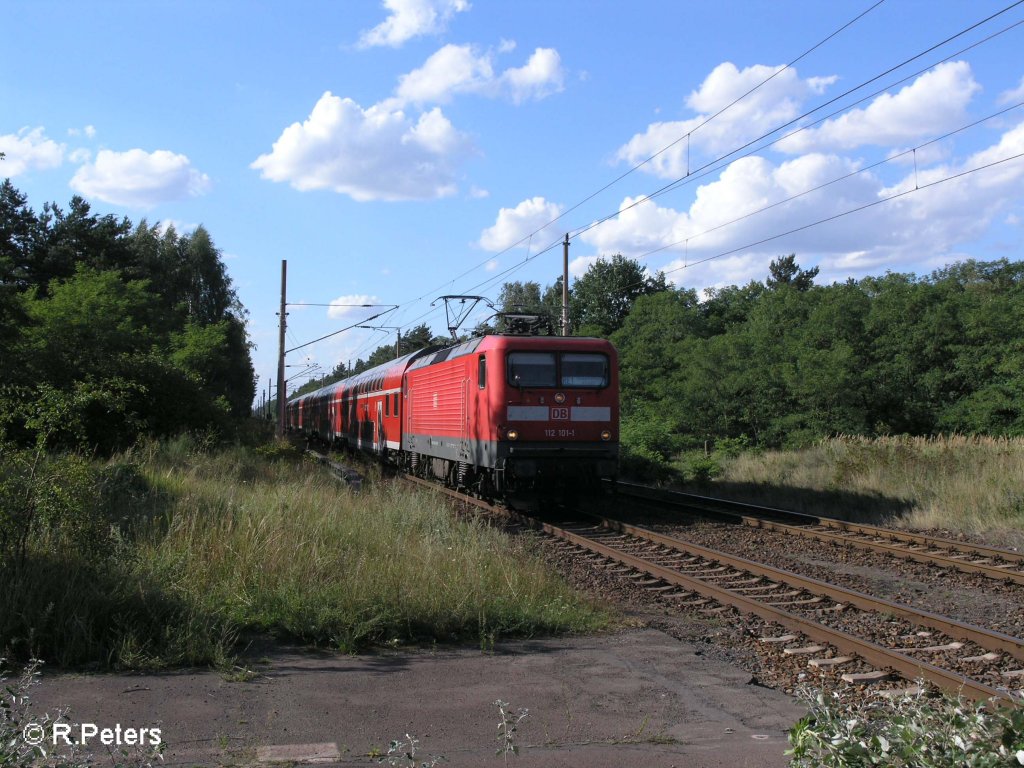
[[784, 362], [110, 330]]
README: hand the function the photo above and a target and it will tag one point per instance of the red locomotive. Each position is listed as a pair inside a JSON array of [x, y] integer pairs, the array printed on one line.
[[496, 414]]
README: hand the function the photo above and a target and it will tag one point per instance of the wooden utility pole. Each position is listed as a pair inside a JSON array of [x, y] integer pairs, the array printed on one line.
[[565, 285], [280, 353]]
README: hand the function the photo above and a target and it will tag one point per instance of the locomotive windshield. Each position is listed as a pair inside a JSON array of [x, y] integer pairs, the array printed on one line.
[[584, 370], [571, 369], [531, 369]]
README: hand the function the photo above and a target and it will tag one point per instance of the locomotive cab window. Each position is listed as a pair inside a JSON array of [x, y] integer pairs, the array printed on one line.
[[531, 369], [584, 369], [481, 372]]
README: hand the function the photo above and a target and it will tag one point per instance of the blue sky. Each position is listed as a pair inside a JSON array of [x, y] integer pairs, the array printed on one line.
[[396, 151]]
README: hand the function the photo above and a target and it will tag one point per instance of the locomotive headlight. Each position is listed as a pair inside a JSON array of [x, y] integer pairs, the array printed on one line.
[[606, 435], [559, 398], [512, 434]]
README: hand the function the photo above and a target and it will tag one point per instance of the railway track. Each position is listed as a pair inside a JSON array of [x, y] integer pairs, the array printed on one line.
[[1000, 564], [833, 628]]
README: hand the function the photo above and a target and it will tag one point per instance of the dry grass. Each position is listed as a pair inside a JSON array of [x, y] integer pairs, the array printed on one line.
[[972, 485], [289, 550], [209, 546]]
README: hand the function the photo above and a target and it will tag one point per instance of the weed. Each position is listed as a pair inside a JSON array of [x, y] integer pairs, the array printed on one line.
[[23, 735], [402, 754], [240, 674], [507, 727], [916, 730]]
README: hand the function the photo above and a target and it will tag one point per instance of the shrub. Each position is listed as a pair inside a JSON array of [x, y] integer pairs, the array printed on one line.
[[913, 730], [701, 468], [640, 463], [648, 436]]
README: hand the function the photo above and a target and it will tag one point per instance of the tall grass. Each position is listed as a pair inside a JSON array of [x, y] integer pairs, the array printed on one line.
[[973, 485], [292, 552], [218, 544]]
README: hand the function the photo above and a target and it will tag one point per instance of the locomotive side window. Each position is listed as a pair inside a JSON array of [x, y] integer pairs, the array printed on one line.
[[394, 403], [481, 372], [584, 370], [531, 369]]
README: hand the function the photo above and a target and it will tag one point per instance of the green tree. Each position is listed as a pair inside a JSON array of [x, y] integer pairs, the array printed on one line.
[[113, 331], [603, 296], [68, 239], [89, 324], [725, 308], [785, 271]]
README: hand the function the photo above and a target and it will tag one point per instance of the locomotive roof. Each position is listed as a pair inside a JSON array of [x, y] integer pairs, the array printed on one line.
[[422, 358], [495, 340]]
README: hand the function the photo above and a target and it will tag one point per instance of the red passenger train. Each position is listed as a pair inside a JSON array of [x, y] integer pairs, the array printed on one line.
[[496, 414]]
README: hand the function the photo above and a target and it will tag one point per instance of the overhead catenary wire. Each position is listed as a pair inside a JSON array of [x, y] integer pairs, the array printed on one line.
[[857, 209], [711, 167], [715, 164], [721, 158], [844, 177], [616, 180], [703, 170]]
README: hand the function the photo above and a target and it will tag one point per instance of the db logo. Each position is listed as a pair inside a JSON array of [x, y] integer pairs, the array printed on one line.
[[559, 414]]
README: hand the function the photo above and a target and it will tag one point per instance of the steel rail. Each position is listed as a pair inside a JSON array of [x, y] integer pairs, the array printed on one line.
[[988, 639], [883, 658], [724, 507], [877, 655]]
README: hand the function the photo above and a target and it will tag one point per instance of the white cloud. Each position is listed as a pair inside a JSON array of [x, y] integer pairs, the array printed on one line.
[[385, 153], [776, 102], [29, 150], [80, 155], [180, 227], [934, 103], [1015, 96], [579, 266], [460, 69], [515, 224], [541, 76], [453, 69], [89, 131], [926, 155], [139, 178], [411, 18], [491, 265], [929, 225], [723, 214], [373, 154], [352, 306]]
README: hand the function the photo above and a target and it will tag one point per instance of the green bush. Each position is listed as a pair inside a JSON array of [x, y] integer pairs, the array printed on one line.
[[647, 436], [702, 469], [913, 730], [644, 465]]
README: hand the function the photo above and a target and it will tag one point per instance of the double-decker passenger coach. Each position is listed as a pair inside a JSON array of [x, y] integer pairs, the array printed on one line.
[[497, 414]]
